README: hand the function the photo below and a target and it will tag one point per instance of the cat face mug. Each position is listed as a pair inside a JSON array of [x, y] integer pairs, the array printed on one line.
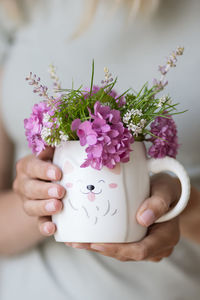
[[100, 206]]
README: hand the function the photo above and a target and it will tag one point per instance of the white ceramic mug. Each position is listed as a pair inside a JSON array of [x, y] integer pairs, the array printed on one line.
[[100, 206]]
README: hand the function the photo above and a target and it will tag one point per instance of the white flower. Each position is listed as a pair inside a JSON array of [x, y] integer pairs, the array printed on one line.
[[142, 123], [130, 113], [135, 129], [136, 112], [45, 132], [127, 117], [55, 143], [46, 118], [162, 100], [63, 137]]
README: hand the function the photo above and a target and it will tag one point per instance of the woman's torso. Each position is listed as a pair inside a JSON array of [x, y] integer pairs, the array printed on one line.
[[53, 270]]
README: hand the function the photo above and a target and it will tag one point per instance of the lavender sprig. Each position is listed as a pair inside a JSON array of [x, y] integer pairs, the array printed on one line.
[[108, 77], [39, 89], [171, 63], [54, 77]]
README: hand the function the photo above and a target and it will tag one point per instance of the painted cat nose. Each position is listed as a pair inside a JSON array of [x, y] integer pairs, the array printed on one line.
[[90, 187]]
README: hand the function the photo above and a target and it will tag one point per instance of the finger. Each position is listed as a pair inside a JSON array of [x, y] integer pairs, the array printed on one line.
[[155, 259], [162, 255], [160, 237], [162, 196], [152, 209], [35, 189], [42, 207], [109, 250], [78, 245], [87, 246], [46, 227], [47, 154], [36, 168]]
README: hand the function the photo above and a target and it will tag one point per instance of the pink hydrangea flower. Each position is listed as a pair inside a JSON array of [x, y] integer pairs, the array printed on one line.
[[167, 143], [107, 139], [33, 127]]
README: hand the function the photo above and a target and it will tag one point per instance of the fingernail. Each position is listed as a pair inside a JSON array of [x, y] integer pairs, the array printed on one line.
[[53, 192], [68, 244], [147, 217], [50, 206], [46, 229], [76, 245], [97, 247], [51, 173]]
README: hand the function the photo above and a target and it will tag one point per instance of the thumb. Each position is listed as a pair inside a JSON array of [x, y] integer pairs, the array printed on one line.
[[152, 209], [164, 192], [46, 154]]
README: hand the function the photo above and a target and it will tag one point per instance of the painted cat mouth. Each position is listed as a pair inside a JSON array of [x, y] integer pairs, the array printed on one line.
[[86, 193]]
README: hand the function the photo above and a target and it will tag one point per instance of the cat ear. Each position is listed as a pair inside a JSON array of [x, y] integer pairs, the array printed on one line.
[[116, 170], [68, 167]]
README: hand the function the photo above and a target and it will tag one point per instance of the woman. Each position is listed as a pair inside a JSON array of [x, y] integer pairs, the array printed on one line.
[[43, 268]]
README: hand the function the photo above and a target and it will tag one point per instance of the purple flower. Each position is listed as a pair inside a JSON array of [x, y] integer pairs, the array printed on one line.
[[167, 142], [112, 93], [33, 127], [86, 134], [107, 139]]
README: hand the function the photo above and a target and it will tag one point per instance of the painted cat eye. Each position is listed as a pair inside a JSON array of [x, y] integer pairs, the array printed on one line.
[[101, 181]]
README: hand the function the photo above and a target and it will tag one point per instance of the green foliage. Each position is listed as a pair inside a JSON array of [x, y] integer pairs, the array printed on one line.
[[141, 107], [151, 106]]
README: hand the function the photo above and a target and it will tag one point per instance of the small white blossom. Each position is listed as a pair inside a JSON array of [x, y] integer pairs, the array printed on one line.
[[55, 143], [136, 112], [46, 118], [135, 129], [130, 113], [127, 117], [162, 100], [142, 123], [63, 137], [45, 132]]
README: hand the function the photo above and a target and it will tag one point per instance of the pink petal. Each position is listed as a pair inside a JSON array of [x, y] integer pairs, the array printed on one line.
[[86, 127], [91, 139], [75, 124], [105, 128], [97, 150]]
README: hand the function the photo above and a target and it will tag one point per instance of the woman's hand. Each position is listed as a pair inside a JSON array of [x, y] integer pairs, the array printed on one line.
[[161, 237], [40, 196]]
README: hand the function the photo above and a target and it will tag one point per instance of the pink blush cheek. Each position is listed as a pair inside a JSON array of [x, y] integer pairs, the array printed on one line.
[[113, 185], [69, 185]]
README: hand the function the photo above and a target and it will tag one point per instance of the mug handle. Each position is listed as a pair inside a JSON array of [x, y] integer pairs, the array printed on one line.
[[170, 164]]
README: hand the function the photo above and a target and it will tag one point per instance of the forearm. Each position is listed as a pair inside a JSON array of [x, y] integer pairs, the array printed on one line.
[[18, 232], [190, 218]]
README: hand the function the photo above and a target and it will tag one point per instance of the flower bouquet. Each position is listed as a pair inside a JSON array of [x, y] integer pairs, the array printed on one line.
[[98, 135]]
